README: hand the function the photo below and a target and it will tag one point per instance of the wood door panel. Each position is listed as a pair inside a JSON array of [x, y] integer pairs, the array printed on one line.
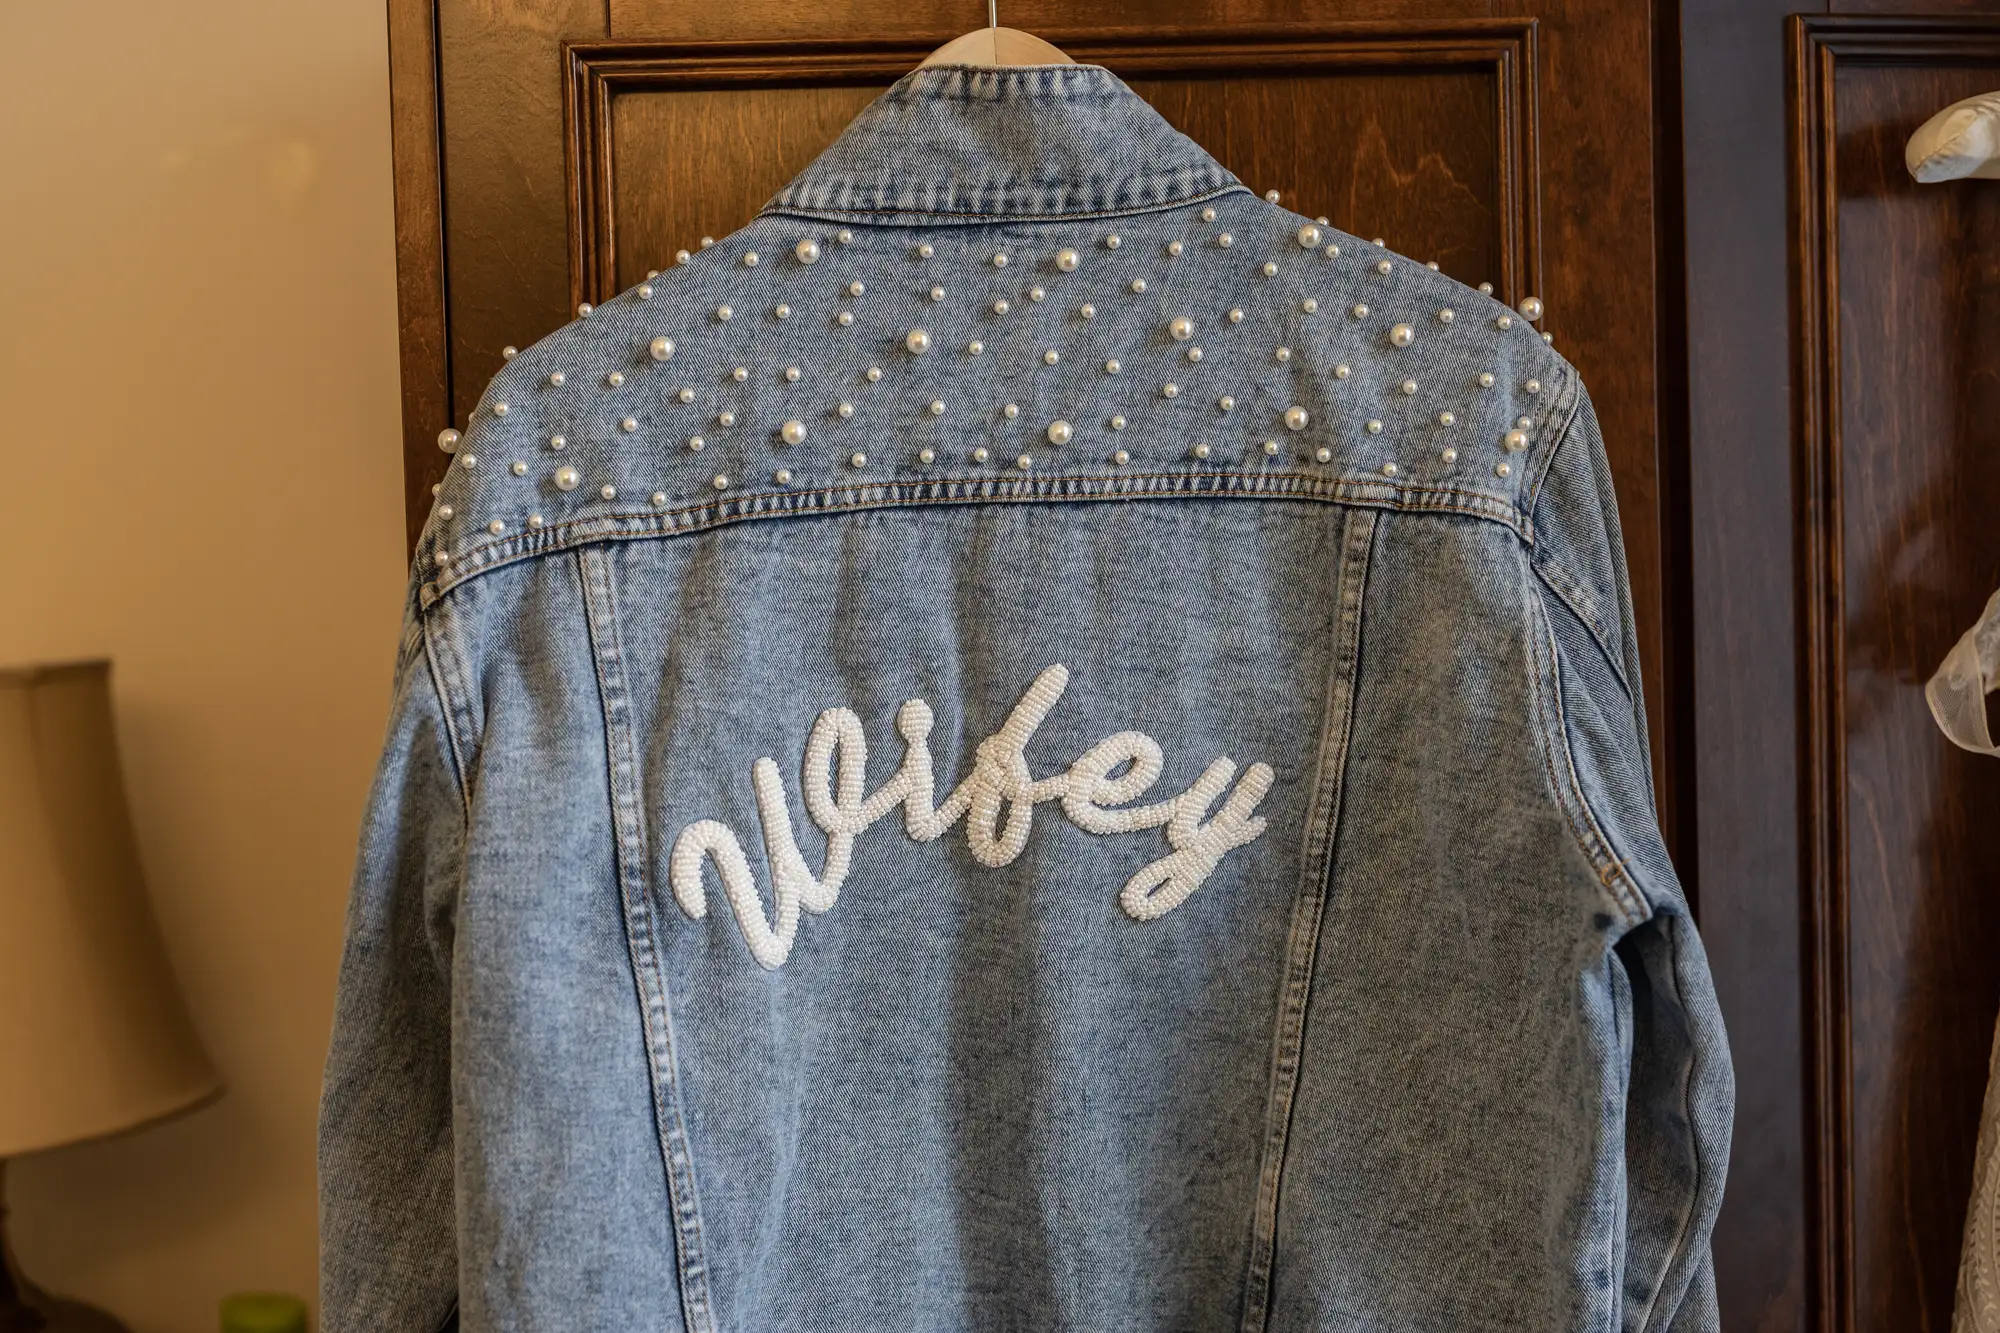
[[1900, 457]]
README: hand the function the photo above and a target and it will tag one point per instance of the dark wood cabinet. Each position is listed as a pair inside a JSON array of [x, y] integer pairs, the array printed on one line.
[[1794, 351]]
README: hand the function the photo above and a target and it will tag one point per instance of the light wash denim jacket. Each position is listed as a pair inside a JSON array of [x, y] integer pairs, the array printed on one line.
[[1030, 742]]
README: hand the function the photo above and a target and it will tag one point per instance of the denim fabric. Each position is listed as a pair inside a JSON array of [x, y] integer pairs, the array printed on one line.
[[1099, 791]]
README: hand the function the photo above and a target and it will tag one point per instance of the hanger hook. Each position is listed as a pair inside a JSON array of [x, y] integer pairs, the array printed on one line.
[[992, 13]]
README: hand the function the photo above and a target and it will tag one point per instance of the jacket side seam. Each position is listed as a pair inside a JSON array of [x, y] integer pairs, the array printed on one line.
[[1545, 695], [1302, 947], [1677, 1252], [1573, 595], [649, 976]]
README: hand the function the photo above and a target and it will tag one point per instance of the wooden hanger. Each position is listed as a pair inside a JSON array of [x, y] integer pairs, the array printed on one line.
[[995, 45]]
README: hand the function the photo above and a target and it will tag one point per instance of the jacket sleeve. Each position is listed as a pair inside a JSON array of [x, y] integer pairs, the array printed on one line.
[[388, 1254], [1680, 1092]]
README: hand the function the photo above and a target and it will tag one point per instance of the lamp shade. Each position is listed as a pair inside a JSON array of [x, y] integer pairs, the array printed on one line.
[[94, 1036]]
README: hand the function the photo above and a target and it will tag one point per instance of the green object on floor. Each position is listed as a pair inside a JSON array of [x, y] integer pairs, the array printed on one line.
[[263, 1312]]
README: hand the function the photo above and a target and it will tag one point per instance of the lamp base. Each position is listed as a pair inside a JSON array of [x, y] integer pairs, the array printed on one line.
[[26, 1308]]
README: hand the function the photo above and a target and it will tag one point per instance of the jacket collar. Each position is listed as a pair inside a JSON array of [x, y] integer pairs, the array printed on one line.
[[972, 144]]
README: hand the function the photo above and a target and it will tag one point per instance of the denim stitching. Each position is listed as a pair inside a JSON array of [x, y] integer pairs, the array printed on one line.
[[1309, 913], [607, 657], [441, 666], [784, 207]]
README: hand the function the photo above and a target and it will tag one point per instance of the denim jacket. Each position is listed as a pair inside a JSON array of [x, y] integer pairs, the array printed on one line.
[[1030, 742]]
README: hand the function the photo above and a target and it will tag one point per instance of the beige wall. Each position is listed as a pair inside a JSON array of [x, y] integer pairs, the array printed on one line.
[[199, 466]]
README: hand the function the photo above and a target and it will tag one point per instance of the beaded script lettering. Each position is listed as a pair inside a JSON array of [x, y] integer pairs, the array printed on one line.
[[997, 800]]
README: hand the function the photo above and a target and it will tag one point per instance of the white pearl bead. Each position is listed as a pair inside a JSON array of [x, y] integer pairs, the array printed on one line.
[[1504, 322], [845, 319], [844, 411], [1181, 327], [1323, 455], [1010, 411], [1138, 285], [566, 478], [558, 442], [1271, 448], [1037, 294], [1449, 455], [629, 424], [792, 374], [937, 293], [646, 288], [1533, 386], [927, 455], [782, 311], [926, 250], [446, 511], [499, 409], [1402, 335], [1000, 307], [1486, 289], [583, 311], [614, 379], [1332, 252], [1120, 457], [441, 558], [1200, 451], [1118, 421], [1523, 422], [1309, 305], [1374, 426], [857, 288], [1270, 269], [1087, 310], [857, 459], [468, 461], [1174, 247], [750, 259], [725, 418], [843, 236], [1515, 441], [1447, 315], [707, 241], [1297, 418], [1383, 267], [1194, 354], [535, 522], [874, 374], [1502, 469], [917, 341], [1170, 390], [1000, 261], [1447, 419], [1531, 307], [658, 499], [1051, 356], [1431, 264], [807, 251], [1283, 354], [557, 379], [682, 256], [1226, 403], [608, 492], [937, 407], [1272, 196], [1236, 315], [1067, 260], [1059, 432], [1308, 236], [685, 395], [1112, 367], [724, 313], [720, 481], [980, 455], [1113, 241], [1342, 371], [1024, 462], [1208, 215], [496, 527], [1389, 469], [975, 347], [448, 440], [509, 352], [793, 431], [1360, 310], [661, 348], [1549, 338], [1485, 379], [518, 468], [1225, 240], [696, 444]]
